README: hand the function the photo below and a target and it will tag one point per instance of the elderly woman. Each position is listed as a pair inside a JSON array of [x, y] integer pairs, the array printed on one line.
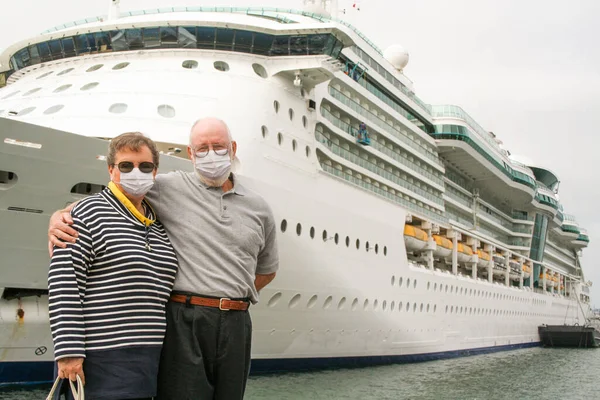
[[109, 288]]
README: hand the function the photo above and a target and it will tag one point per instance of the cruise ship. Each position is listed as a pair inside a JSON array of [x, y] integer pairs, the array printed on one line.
[[406, 231]]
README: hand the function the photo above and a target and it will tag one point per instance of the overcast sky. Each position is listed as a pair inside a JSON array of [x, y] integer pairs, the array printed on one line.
[[527, 70]]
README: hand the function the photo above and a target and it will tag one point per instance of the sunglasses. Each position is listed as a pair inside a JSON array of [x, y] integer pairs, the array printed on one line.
[[127, 166]]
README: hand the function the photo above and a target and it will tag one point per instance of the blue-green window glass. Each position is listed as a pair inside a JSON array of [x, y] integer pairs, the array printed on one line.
[[134, 39], [316, 43], [103, 40], [34, 54], [262, 43], [118, 40], [243, 41], [21, 59], [205, 38], [44, 51], [91, 39], [55, 49], [281, 46], [329, 45], [81, 44], [224, 39], [68, 47], [151, 37], [298, 45], [168, 36], [186, 37]]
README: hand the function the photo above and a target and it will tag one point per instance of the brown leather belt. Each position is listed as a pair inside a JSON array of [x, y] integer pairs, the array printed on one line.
[[223, 304]]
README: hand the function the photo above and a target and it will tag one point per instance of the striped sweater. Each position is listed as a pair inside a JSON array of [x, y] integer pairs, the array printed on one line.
[[108, 290]]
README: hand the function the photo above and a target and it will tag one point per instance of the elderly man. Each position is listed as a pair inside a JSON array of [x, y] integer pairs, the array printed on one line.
[[224, 238]]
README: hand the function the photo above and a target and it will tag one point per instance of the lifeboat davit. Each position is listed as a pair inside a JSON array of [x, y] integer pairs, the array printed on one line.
[[443, 246], [484, 258], [415, 238]]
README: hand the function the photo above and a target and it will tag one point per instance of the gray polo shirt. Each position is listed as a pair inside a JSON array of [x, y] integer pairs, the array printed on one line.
[[222, 240]]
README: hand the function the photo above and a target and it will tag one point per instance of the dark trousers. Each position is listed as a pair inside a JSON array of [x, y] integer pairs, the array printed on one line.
[[205, 355]]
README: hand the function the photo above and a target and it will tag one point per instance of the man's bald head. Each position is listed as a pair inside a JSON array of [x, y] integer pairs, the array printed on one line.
[[209, 126]]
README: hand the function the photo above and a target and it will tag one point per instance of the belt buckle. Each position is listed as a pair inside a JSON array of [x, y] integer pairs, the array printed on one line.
[[221, 304]]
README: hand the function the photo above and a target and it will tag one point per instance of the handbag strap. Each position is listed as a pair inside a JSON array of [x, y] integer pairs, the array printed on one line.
[[78, 393]]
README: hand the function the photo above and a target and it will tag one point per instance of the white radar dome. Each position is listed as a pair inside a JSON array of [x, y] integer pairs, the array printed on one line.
[[397, 56]]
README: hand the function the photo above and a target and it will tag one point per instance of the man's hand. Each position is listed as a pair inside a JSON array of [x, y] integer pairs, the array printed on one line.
[[263, 280], [70, 367], [59, 229]]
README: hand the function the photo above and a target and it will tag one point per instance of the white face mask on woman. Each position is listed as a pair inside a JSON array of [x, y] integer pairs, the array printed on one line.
[[136, 182], [213, 169]]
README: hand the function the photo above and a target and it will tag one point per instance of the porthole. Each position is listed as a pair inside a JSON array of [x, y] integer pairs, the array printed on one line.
[[400, 282], [307, 151], [25, 111], [32, 91], [408, 282], [446, 309], [54, 109], [428, 285], [8, 96], [89, 86], [367, 246], [312, 232], [274, 299], [61, 88], [342, 303], [415, 284], [336, 238], [279, 138], [94, 68], [407, 306], [354, 304], [260, 70], [66, 71], [264, 131], [324, 235], [291, 114], [283, 225], [276, 106], [375, 304], [120, 66], [298, 229], [393, 280], [392, 306], [166, 111], [376, 249], [400, 306], [347, 241], [294, 301], [384, 305], [327, 303], [427, 307], [357, 244], [421, 308], [384, 250], [190, 64], [221, 66], [118, 108], [294, 144], [304, 121], [366, 304], [312, 301], [434, 287], [45, 75]]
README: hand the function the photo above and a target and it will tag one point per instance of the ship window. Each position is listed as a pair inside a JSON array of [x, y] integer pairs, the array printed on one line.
[[392, 305], [151, 37], [283, 225], [294, 300], [118, 108], [120, 65], [259, 70], [87, 188], [54, 109], [55, 49], [187, 37], [281, 46], [103, 41], [375, 304], [81, 44], [407, 306], [408, 283], [316, 43], [34, 54], [8, 96], [298, 229], [291, 113], [354, 304], [307, 151], [342, 303], [328, 301], [118, 40], [393, 280], [243, 41], [89, 86], [134, 39], [298, 45], [26, 111], [221, 66], [376, 249], [415, 284], [279, 138], [336, 238], [325, 235], [94, 68], [400, 282], [294, 144], [190, 64], [262, 43], [44, 51], [205, 38], [32, 91], [91, 40], [224, 39], [312, 232], [385, 250], [276, 106], [357, 244], [367, 246], [264, 131], [313, 300], [68, 47], [45, 75], [347, 241], [304, 121], [400, 306], [66, 71], [168, 36], [165, 110]]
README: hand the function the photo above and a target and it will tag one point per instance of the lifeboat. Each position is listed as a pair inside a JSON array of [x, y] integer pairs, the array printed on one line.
[[414, 238], [465, 253], [484, 258], [526, 271], [444, 246], [549, 281], [499, 258]]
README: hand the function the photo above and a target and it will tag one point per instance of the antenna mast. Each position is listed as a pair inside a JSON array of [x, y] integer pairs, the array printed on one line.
[[114, 10]]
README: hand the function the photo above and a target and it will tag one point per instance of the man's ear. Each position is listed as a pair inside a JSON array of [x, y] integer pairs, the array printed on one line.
[[233, 148]]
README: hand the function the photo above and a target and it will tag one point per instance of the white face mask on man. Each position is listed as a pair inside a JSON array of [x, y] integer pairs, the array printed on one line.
[[213, 169], [136, 182]]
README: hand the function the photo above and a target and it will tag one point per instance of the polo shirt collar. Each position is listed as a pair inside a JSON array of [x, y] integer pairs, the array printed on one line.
[[237, 186]]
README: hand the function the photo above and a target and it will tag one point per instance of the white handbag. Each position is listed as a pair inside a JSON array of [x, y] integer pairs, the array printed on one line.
[[77, 392]]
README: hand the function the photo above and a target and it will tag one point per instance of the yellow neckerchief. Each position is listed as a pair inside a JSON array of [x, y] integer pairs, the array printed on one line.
[[127, 203]]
